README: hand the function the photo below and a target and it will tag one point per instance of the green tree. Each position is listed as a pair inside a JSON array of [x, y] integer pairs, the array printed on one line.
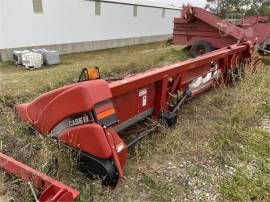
[[221, 7], [248, 7]]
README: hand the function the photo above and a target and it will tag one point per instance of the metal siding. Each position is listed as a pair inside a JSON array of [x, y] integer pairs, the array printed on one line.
[[135, 11], [97, 8], [37, 6], [74, 21]]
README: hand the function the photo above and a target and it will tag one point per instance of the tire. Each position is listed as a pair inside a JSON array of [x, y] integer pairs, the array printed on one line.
[[200, 47]]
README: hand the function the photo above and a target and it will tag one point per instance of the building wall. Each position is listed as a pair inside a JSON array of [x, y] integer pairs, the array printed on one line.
[[75, 22], [1, 25]]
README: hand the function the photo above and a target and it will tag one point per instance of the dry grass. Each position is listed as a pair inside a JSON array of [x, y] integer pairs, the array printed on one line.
[[19, 82], [216, 151]]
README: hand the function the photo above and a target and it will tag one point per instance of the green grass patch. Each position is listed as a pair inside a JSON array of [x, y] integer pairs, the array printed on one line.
[[241, 187], [240, 144]]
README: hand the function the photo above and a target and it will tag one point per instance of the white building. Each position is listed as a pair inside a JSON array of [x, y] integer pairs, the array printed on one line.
[[82, 25]]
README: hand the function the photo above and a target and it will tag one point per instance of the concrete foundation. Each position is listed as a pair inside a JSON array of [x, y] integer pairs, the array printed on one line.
[[6, 54]]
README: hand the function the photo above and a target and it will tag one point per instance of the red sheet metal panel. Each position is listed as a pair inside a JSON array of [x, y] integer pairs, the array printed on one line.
[[197, 30], [140, 99], [53, 190], [198, 24], [249, 21], [76, 136], [45, 118], [147, 78]]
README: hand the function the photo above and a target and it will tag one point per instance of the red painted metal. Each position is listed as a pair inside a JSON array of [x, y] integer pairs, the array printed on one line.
[[53, 191], [249, 21], [132, 96], [123, 109], [118, 156], [98, 146], [197, 24], [45, 118]]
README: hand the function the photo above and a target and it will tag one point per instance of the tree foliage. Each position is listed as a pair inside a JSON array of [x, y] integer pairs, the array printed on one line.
[[245, 7]]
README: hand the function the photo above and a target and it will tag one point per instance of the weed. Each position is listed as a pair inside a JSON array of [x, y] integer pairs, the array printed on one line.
[[241, 187]]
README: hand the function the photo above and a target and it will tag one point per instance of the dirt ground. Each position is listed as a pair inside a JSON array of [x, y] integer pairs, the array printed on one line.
[[219, 150]]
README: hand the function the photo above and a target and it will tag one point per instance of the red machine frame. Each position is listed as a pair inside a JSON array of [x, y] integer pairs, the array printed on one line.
[[198, 26], [117, 105], [53, 191]]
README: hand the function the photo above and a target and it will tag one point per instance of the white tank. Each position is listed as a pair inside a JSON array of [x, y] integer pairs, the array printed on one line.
[[17, 56], [32, 60]]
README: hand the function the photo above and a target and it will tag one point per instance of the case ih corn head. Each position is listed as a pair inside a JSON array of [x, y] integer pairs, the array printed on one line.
[[92, 115], [204, 31]]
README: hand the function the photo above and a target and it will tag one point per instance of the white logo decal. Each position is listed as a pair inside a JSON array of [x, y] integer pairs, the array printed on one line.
[[79, 121]]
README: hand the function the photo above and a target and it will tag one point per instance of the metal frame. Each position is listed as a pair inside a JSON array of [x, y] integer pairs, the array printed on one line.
[[126, 99], [170, 79], [197, 24], [53, 190]]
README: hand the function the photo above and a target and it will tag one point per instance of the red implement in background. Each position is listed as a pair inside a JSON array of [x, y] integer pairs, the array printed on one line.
[[53, 191], [205, 31]]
